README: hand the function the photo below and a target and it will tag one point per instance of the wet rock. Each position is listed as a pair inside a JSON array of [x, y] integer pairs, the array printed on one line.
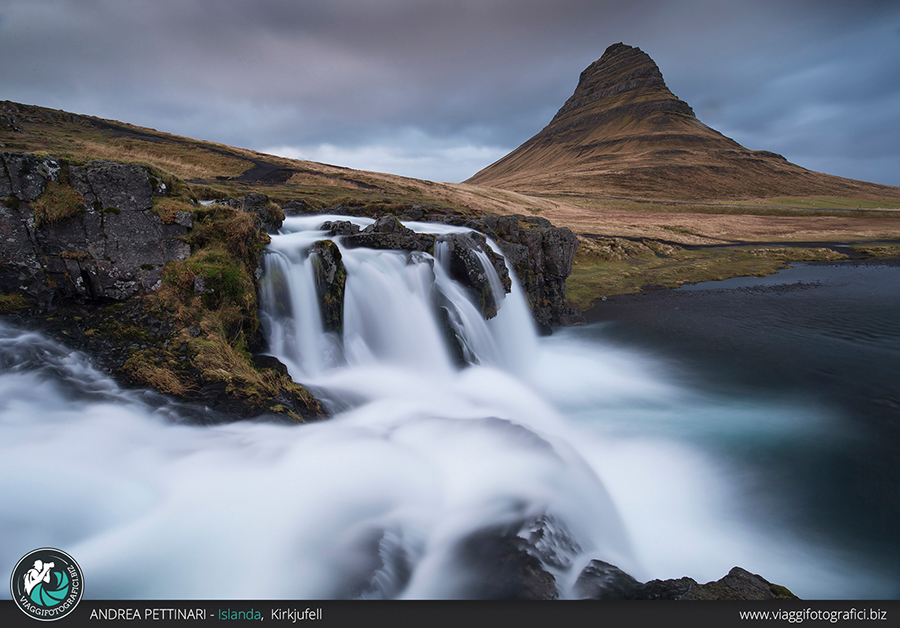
[[603, 581], [502, 568], [331, 279], [388, 233], [466, 267], [340, 227], [541, 256]]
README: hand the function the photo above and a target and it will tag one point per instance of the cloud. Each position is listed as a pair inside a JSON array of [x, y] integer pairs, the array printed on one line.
[[415, 155]]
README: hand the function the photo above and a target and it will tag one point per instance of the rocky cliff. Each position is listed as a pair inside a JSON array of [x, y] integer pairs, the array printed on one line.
[[117, 260], [83, 231]]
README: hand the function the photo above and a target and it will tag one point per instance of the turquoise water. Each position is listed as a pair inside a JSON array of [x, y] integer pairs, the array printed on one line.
[[798, 381]]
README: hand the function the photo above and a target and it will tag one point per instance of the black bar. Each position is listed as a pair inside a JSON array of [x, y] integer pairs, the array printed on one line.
[[462, 614]]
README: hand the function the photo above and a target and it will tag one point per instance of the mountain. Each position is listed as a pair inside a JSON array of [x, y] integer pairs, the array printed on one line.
[[624, 133]]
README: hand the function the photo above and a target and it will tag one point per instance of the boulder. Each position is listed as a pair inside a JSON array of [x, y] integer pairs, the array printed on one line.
[[502, 568], [541, 256], [388, 233]]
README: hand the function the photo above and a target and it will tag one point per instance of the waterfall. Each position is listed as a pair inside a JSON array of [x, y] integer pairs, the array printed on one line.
[[396, 309], [445, 427]]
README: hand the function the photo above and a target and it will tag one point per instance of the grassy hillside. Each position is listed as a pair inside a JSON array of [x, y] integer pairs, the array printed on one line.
[[212, 170]]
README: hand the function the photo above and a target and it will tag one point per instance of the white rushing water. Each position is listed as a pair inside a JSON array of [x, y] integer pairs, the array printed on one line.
[[421, 454]]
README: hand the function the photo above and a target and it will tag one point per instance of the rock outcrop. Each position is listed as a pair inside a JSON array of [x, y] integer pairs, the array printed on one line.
[[602, 581], [541, 255], [83, 231], [470, 258], [388, 233], [331, 278], [513, 562]]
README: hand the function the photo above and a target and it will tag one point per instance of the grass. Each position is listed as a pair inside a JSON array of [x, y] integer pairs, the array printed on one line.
[[835, 202], [167, 208], [795, 206], [12, 302], [878, 250], [614, 266], [210, 298], [58, 202]]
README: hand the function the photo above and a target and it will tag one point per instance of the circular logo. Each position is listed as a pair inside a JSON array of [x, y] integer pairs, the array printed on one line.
[[47, 584]]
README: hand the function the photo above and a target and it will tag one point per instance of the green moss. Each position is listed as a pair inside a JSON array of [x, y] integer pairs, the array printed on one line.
[[11, 201]]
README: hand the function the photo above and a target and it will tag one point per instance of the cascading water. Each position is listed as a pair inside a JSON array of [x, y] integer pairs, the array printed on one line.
[[568, 441]]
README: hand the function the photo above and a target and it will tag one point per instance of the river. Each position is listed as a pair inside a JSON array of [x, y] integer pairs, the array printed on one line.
[[669, 445]]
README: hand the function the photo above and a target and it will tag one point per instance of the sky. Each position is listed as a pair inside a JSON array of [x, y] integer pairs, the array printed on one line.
[[438, 89]]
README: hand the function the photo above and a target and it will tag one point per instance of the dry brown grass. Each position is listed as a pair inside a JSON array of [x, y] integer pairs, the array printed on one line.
[[150, 367], [585, 210], [57, 203], [184, 161]]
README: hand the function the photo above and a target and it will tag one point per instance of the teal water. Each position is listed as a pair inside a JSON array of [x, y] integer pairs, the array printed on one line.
[[809, 363]]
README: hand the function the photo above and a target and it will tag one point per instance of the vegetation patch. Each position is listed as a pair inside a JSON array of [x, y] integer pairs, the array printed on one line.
[[613, 266], [210, 298], [159, 370], [75, 255], [57, 203], [877, 250], [12, 302], [167, 208]]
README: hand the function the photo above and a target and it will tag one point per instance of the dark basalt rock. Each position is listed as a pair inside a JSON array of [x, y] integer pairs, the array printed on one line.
[[271, 217], [468, 269], [340, 227], [331, 278], [541, 256], [602, 581], [111, 248], [297, 207], [388, 233], [502, 568]]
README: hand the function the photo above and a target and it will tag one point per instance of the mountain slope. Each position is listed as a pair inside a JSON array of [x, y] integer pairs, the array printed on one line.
[[624, 134]]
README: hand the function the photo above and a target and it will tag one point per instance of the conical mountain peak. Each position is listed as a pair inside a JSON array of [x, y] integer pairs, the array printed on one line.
[[624, 133], [622, 76]]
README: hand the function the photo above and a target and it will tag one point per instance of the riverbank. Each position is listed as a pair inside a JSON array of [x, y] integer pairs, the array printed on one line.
[[609, 266]]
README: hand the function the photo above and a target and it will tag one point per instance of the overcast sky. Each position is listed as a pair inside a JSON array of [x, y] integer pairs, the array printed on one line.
[[439, 89]]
